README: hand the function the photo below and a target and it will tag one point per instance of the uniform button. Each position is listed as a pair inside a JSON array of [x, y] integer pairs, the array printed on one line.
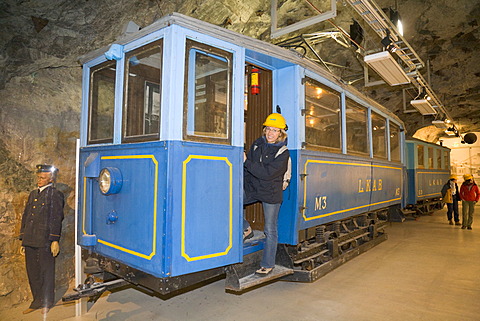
[[34, 207], [43, 203], [35, 200]]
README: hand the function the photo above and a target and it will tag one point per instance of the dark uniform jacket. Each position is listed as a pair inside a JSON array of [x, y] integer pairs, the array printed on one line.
[[264, 170], [42, 218]]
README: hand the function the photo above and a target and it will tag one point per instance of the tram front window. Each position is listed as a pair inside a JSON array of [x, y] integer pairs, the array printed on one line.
[[101, 103], [208, 96], [143, 72]]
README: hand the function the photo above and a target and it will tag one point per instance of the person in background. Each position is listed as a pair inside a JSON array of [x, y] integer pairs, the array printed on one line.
[[40, 232], [451, 196], [469, 194], [264, 170]]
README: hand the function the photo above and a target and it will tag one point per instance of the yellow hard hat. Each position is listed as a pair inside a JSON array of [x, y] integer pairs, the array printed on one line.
[[467, 176], [453, 176], [275, 120]]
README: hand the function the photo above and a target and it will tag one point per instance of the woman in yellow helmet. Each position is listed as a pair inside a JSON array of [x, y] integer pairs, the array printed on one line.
[[451, 196], [470, 194], [264, 169]]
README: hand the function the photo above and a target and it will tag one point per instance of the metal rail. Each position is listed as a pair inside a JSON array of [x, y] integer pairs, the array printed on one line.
[[374, 16]]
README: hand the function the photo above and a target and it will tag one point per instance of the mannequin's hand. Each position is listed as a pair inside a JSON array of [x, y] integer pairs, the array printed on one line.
[[55, 248]]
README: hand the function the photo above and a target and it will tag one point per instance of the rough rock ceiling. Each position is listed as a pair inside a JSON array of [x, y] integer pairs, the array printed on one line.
[[39, 35]]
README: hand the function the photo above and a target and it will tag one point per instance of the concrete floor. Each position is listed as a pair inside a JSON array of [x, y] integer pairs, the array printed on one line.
[[426, 270]]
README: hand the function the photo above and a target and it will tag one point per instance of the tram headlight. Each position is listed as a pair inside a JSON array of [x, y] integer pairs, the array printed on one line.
[[110, 180]]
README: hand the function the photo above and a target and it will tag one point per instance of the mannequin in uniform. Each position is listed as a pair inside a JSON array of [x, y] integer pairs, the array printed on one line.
[[40, 233]]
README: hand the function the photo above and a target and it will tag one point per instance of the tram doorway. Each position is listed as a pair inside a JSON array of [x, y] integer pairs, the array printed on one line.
[[257, 108]]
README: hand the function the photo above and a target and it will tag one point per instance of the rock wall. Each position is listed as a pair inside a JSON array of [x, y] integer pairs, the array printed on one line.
[[39, 124]]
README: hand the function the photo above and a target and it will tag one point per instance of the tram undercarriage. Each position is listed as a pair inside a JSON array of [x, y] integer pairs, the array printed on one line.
[[321, 250], [336, 243]]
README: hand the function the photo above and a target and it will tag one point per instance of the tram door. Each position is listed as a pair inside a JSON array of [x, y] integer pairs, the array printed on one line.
[[257, 108]]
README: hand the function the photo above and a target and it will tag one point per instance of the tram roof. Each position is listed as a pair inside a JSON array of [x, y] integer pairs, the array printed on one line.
[[422, 142], [247, 42]]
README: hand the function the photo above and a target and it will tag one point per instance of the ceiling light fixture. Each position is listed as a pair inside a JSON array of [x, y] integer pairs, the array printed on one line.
[[439, 124], [450, 132], [423, 106], [385, 66]]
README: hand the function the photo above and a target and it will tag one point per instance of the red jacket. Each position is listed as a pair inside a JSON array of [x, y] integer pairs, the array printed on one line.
[[469, 192]]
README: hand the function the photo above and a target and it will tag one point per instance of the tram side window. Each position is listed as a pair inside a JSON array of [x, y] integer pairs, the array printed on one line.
[[446, 159], [430, 157], [357, 134], [322, 116], [439, 158], [420, 156], [395, 143], [143, 72], [379, 141], [101, 103], [208, 96]]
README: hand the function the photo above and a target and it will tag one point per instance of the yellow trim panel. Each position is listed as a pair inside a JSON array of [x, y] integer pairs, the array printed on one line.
[[184, 198], [305, 218], [432, 194], [155, 200]]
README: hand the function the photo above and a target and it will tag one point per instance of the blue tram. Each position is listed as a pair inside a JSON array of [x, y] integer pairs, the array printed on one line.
[[428, 168], [166, 114]]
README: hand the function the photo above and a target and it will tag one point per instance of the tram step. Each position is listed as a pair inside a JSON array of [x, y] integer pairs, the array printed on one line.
[[240, 277], [255, 279]]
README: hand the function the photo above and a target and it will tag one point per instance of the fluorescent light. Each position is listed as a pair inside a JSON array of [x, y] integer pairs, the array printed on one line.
[[423, 106], [384, 65], [440, 124], [450, 132]]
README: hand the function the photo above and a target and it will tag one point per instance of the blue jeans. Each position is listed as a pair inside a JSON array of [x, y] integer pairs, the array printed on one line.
[[270, 228], [453, 208]]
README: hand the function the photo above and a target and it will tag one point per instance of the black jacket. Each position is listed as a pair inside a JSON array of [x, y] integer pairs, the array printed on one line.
[[263, 172], [445, 187], [42, 218]]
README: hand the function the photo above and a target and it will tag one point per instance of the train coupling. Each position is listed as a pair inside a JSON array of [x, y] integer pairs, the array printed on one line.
[[90, 289]]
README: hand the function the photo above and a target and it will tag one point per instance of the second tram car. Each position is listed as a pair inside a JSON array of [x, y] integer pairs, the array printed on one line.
[[428, 168]]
